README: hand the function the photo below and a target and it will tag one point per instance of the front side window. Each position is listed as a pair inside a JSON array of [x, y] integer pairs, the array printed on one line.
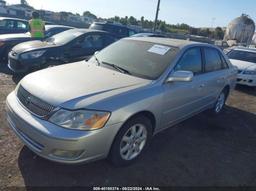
[[191, 61], [93, 41], [213, 61]]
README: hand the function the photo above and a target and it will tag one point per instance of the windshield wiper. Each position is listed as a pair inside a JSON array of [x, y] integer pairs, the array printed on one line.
[[120, 69]]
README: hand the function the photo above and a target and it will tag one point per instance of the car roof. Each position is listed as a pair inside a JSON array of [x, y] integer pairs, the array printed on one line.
[[112, 24], [166, 41], [87, 30], [57, 26], [10, 18], [245, 49]]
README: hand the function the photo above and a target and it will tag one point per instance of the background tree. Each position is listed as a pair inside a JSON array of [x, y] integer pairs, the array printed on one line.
[[218, 33], [132, 21], [64, 16], [89, 14]]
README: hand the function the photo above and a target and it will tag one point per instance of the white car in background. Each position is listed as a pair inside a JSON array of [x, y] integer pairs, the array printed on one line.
[[245, 60]]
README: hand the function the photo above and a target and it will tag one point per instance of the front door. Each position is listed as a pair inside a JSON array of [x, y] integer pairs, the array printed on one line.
[[182, 99]]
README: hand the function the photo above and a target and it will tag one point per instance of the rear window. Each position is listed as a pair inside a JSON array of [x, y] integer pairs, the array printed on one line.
[[242, 55], [120, 31], [97, 27]]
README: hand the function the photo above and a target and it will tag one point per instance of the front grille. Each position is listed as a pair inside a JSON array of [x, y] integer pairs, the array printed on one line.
[[15, 64], [34, 104]]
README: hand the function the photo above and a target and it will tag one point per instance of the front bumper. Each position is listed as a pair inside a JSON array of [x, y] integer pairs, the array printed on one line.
[[23, 66], [248, 80], [56, 143]]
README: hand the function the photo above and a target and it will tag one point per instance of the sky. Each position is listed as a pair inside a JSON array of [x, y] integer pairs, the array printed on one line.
[[197, 13]]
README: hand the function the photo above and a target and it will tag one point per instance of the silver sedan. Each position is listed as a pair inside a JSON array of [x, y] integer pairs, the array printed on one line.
[[112, 105]]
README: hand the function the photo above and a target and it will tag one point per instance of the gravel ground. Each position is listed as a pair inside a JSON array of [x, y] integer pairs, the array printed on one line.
[[201, 151]]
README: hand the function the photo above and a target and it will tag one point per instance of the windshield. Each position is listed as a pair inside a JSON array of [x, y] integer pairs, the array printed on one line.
[[242, 55], [64, 37], [138, 58]]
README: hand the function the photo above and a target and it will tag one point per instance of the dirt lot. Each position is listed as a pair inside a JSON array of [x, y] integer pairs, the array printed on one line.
[[202, 151]]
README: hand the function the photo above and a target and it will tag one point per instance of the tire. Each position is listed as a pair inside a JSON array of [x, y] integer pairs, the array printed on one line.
[[220, 103], [126, 147]]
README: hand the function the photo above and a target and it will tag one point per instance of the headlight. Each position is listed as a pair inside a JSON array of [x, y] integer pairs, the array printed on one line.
[[81, 119], [34, 54], [250, 72]]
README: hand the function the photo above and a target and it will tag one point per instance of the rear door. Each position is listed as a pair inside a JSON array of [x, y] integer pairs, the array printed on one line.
[[182, 99], [215, 73]]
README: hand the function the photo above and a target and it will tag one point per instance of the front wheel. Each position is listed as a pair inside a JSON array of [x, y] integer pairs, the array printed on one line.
[[131, 141]]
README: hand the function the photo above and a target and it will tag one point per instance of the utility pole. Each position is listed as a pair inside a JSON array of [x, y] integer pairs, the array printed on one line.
[[157, 11]]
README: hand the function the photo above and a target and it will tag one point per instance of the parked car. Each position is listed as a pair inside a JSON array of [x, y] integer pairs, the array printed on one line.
[[148, 35], [118, 30], [8, 41], [245, 60], [13, 25], [112, 105], [68, 46]]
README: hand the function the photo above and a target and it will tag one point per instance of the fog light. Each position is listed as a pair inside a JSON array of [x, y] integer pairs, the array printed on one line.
[[67, 154]]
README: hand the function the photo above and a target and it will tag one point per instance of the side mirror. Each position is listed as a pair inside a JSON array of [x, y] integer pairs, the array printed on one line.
[[180, 76]]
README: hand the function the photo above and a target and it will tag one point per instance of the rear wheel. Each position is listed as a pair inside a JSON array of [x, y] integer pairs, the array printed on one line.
[[220, 103], [131, 141]]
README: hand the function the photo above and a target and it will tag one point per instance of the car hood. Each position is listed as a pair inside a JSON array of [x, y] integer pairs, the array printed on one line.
[[14, 36], [31, 45], [68, 84], [243, 65]]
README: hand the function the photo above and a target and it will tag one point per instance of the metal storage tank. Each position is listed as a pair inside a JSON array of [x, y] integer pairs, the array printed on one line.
[[241, 30], [254, 39]]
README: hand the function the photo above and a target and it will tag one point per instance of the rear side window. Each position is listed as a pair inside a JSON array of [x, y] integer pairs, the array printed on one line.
[[191, 61], [224, 62], [21, 25], [93, 41], [2, 23], [10, 24], [213, 61], [108, 40], [131, 32], [120, 31]]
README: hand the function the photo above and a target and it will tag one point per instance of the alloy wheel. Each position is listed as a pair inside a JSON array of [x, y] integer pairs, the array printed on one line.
[[133, 142]]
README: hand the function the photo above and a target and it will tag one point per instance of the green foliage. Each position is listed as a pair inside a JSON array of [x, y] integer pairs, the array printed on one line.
[[182, 28], [89, 14]]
